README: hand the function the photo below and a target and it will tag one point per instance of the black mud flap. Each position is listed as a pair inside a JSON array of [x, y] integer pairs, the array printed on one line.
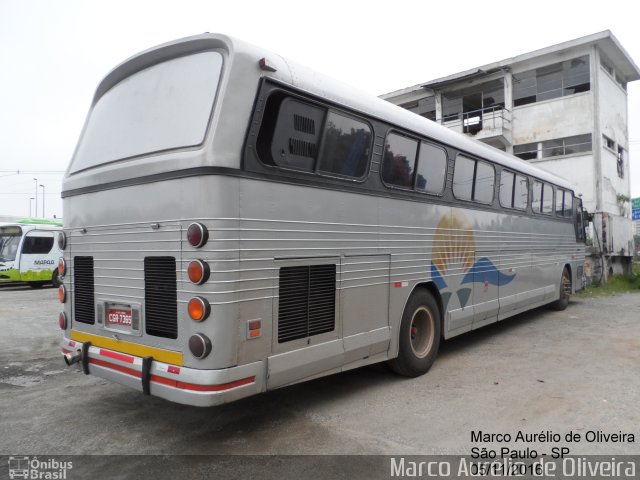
[[146, 375], [84, 357]]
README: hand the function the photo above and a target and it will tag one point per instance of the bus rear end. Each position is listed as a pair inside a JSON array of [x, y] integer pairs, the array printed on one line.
[[146, 230]]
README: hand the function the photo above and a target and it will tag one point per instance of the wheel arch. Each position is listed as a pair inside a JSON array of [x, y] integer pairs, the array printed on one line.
[[435, 292]]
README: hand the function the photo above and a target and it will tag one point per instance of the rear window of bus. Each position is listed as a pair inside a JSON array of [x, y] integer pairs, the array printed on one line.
[[162, 107]]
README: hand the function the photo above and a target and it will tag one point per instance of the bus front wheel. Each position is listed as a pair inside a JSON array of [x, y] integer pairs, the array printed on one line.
[[419, 335], [55, 279]]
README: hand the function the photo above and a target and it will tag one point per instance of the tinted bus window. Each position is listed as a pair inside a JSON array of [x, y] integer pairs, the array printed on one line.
[[521, 192], [432, 168], [345, 147], [506, 188], [399, 160], [32, 245], [484, 183], [463, 178], [536, 201], [547, 199]]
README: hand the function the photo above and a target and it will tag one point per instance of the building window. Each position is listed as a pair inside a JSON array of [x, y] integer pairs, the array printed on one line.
[[566, 146], [552, 81], [610, 144], [620, 161], [607, 67], [425, 107], [526, 151], [475, 104]]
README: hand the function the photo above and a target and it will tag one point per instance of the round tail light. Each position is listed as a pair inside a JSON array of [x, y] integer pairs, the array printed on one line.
[[197, 235], [62, 320], [198, 271], [62, 267], [199, 309], [199, 345], [62, 294], [62, 240]]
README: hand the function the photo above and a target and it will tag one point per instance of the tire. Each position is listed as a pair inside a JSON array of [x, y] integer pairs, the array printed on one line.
[[55, 279], [419, 335], [565, 292]]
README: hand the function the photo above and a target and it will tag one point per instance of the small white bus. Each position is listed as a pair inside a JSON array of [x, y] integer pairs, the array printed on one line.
[[29, 252]]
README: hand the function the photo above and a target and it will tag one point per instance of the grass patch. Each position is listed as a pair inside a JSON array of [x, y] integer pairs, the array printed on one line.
[[616, 284]]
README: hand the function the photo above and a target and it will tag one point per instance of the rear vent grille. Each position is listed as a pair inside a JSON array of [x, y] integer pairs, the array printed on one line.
[[307, 301], [83, 294], [161, 303], [302, 148], [304, 124]]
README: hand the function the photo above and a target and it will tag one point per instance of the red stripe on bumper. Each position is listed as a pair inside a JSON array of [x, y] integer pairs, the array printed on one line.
[[175, 383], [116, 356]]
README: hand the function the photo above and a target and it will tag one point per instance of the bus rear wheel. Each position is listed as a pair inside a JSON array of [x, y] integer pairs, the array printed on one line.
[[565, 291], [419, 335]]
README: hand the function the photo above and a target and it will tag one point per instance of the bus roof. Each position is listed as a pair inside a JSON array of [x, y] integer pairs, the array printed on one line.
[[242, 66]]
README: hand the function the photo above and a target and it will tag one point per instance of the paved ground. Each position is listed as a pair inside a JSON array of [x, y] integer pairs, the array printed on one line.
[[577, 370]]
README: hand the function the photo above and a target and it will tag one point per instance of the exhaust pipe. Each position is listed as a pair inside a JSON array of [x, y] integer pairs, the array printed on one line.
[[72, 357]]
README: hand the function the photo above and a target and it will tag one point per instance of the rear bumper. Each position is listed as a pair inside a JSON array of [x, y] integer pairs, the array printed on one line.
[[189, 386]]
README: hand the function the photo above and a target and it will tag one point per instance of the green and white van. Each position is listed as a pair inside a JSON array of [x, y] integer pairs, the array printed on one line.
[[29, 252]]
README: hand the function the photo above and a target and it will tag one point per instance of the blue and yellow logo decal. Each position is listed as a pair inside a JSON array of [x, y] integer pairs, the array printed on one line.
[[453, 263]]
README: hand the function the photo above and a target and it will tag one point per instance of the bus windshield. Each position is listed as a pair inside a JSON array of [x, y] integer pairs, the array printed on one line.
[[162, 107], [9, 240]]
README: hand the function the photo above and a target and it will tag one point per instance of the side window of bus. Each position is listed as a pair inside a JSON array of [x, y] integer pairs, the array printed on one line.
[[547, 199], [432, 168], [345, 146], [564, 203], [36, 244], [542, 201], [302, 136], [399, 162], [514, 190], [473, 180]]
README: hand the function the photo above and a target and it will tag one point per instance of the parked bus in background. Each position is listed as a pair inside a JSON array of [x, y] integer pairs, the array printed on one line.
[[235, 223], [29, 252]]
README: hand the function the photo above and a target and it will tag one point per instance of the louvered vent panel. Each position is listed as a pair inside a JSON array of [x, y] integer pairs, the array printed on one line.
[[307, 301], [160, 297], [83, 290], [304, 124], [302, 148]]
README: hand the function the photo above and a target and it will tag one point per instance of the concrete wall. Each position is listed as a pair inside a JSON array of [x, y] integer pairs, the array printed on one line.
[[578, 169], [556, 118]]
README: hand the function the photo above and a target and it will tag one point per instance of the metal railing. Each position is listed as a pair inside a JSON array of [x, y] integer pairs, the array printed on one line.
[[473, 121]]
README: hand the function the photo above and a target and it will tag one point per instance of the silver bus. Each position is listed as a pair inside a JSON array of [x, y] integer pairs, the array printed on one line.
[[235, 223]]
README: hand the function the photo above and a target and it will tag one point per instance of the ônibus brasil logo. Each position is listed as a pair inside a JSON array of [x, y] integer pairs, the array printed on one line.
[[33, 468]]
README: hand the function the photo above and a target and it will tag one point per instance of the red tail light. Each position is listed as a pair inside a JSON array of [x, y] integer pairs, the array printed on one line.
[[62, 267], [62, 320], [197, 235], [199, 345], [62, 240]]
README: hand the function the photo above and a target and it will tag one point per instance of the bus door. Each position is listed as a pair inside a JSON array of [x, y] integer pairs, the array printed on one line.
[[37, 261]]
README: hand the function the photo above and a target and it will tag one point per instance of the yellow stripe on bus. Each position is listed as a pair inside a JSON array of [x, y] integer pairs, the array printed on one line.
[[165, 356]]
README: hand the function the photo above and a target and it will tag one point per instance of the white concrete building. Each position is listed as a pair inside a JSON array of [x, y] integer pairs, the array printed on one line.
[[564, 108]]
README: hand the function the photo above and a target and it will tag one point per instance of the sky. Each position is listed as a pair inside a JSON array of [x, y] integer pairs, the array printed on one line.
[[54, 53]]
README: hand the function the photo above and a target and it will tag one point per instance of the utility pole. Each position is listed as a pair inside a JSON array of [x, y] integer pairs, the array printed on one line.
[[36, 215], [42, 200], [30, 200]]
